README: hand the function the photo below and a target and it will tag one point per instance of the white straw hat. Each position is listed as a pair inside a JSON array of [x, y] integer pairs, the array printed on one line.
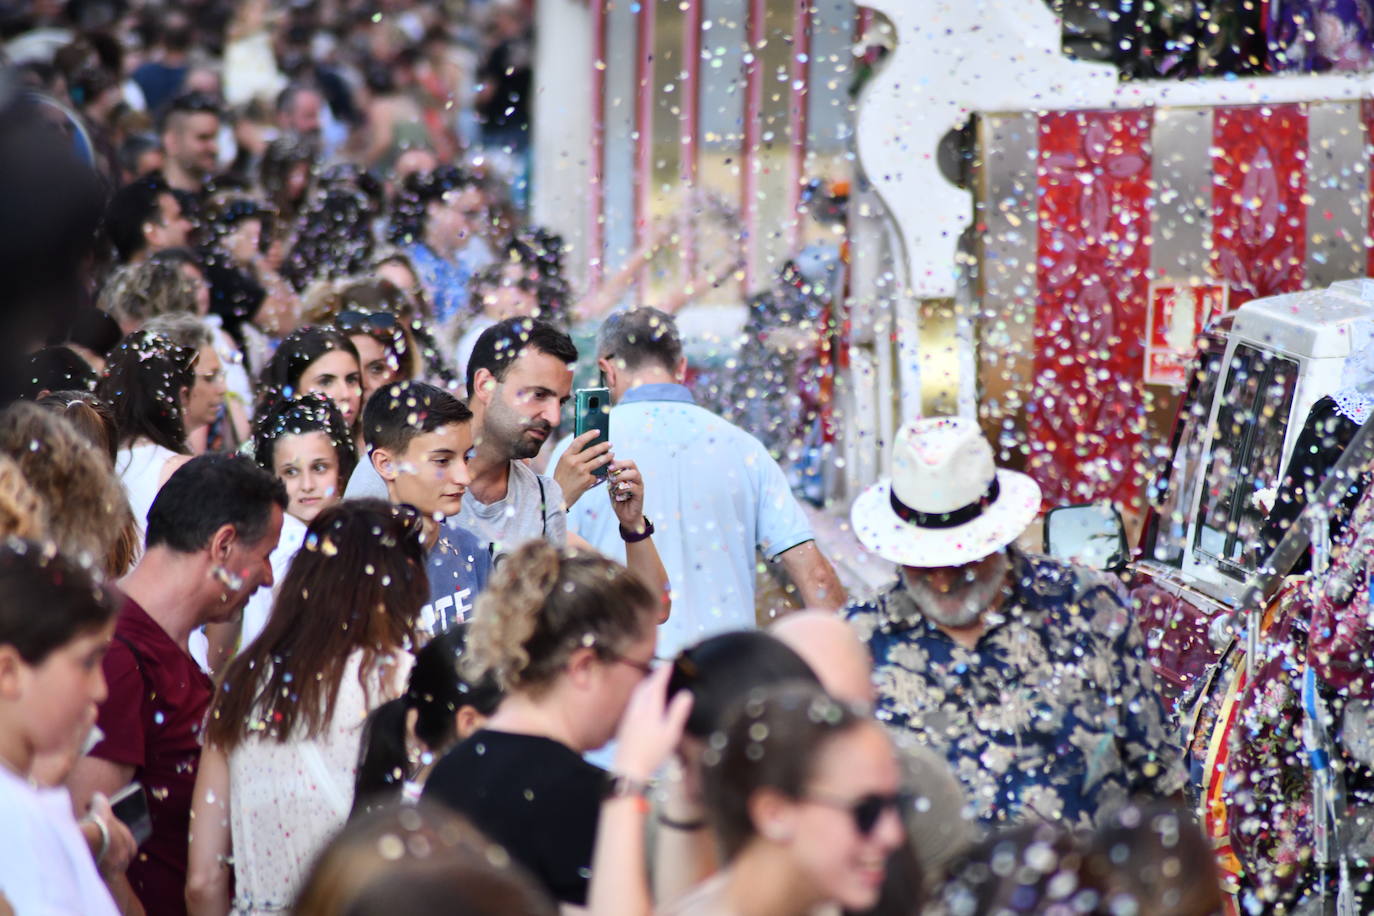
[[947, 503]]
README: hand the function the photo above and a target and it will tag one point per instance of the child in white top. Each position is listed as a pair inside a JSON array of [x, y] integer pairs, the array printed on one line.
[[50, 683]]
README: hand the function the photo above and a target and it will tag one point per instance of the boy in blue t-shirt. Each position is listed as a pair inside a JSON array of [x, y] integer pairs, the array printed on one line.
[[419, 438]]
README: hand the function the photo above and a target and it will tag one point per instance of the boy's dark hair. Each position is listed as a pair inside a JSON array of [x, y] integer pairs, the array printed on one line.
[[130, 208], [721, 670], [502, 343], [397, 413], [208, 492], [638, 337], [46, 600]]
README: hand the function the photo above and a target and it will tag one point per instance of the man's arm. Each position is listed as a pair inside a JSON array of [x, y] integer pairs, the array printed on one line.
[[643, 560], [817, 584]]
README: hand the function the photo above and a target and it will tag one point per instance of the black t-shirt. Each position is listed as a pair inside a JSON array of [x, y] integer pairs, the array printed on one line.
[[534, 796]]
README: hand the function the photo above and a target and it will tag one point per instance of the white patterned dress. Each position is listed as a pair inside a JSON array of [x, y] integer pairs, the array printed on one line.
[[286, 800]]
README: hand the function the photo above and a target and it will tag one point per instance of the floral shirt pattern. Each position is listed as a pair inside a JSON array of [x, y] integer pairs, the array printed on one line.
[[1053, 715]]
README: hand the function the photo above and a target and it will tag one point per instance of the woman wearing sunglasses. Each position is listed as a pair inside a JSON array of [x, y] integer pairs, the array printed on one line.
[[281, 746], [805, 799], [568, 636]]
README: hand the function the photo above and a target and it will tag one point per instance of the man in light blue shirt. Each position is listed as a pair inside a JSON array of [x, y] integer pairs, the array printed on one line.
[[714, 493]]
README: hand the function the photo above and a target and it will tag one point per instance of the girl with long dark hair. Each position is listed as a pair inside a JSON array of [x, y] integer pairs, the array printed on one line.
[[316, 359], [276, 776], [147, 382]]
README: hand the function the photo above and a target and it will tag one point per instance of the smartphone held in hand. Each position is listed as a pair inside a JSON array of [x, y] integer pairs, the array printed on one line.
[[592, 410]]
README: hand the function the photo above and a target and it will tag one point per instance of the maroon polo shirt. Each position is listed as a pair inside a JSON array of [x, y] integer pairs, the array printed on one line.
[[152, 721]]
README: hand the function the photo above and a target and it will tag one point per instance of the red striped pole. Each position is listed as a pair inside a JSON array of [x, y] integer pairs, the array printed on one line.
[[596, 204], [800, 72], [753, 112], [644, 131], [689, 94]]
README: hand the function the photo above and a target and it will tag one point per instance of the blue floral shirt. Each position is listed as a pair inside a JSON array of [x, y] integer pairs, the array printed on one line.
[[447, 281], [1053, 715]]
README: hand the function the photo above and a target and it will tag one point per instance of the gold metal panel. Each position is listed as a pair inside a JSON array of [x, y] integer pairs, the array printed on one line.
[[1337, 193], [1005, 207], [1181, 215]]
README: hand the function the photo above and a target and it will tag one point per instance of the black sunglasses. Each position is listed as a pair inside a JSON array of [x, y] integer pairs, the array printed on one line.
[[866, 810], [350, 320]]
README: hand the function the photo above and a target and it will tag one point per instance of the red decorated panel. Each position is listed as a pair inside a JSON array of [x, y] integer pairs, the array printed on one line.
[[1086, 416], [1367, 116], [1259, 218]]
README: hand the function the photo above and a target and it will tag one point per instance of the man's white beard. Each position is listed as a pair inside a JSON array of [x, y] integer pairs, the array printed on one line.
[[965, 601]]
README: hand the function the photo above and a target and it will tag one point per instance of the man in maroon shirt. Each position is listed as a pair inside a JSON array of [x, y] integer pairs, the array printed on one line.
[[211, 531]]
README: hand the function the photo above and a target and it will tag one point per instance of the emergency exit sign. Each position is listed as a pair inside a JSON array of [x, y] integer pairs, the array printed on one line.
[[1178, 312]]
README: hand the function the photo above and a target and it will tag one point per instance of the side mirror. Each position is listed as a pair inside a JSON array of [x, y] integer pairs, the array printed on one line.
[[1091, 534]]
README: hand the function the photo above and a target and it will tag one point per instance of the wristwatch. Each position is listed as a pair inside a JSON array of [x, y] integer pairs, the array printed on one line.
[[630, 537], [619, 786]]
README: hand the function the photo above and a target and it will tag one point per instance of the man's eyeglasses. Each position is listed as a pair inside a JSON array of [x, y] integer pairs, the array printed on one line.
[[866, 810]]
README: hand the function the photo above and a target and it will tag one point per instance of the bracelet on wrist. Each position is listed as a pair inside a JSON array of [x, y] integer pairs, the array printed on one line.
[[634, 537], [104, 837], [685, 826]]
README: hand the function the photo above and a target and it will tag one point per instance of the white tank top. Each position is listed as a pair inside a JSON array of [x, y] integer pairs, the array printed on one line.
[[139, 468]]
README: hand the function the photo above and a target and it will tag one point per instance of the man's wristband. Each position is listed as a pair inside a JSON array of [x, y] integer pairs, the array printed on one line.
[[632, 537]]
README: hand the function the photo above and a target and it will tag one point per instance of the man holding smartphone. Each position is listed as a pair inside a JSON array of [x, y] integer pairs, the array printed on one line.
[[715, 493]]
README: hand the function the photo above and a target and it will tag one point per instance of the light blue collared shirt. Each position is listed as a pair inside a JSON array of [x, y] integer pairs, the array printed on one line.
[[715, 496]]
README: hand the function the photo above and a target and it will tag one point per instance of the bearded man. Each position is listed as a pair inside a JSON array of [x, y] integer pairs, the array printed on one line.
[[1028, 674]]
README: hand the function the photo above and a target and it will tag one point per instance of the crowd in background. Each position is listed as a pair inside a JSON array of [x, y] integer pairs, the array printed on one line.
[[293, 546]]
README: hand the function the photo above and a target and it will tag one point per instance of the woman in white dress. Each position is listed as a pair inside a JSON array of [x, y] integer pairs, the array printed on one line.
[[147, 382], [276, 776]]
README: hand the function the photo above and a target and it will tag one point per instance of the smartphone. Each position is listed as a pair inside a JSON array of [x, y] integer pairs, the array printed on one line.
[[130, 805], [592, 410]]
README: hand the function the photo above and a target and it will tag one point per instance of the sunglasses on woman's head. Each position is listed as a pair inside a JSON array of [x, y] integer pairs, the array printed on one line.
[[866, 810], [365, 321]]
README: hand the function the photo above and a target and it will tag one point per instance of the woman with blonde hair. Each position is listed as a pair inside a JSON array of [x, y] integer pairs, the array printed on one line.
[[84, 511], [20, 508], [133, 294], [568, 636]]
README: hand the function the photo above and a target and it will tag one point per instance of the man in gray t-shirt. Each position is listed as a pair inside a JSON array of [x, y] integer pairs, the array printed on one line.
[[532, 508], [519, 375]]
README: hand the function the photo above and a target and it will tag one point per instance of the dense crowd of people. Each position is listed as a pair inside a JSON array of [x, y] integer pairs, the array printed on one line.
[[309, 601]]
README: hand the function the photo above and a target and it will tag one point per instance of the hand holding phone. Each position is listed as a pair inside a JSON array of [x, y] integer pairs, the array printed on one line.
[[593, 412], [130, 805]]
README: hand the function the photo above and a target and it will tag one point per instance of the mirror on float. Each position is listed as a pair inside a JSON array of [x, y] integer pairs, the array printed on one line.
[[1091, 534]]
